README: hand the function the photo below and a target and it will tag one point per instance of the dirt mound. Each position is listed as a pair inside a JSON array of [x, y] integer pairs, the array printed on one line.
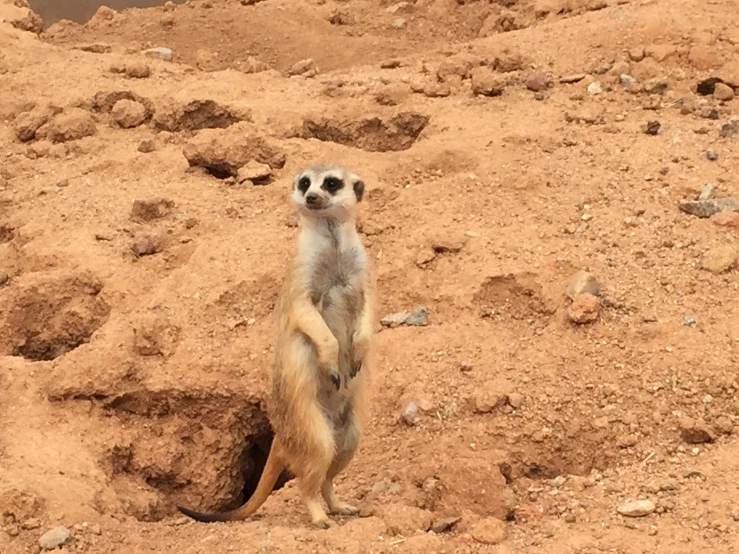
[[516, 154]]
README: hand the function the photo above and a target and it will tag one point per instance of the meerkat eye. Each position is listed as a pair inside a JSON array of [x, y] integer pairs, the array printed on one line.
[[332, 184], [303, 184]]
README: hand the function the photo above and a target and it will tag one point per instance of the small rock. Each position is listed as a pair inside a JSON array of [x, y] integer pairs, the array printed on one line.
[[636, 508], [584, 308], [145, 245], [444, 524], [96, 48], [711, 155], [418, 317], [729, 129], [27, 123], [651, 127], [255, 172], [306, 67], [128, 113], [595, 88], [147, 145], [486, 82], [398, 23], [695, 432], [688, 321], [537, 81], [656, 85], [4, 278], [410, 414], [558, 481], [627, 80], [55, 538], [723, 92], [167, 21], [636, 54], [149, 210], [138, 70], [723, 425], [395, 320], [400, 7], [437, 90], [32, 523], [569, 79], [581, 282], [160, 53], [490, 531], [726, 219], [720, 259], [515, 400], [509, 63]]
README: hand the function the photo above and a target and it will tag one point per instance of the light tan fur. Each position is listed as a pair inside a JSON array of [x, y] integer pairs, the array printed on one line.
[[325, 314]]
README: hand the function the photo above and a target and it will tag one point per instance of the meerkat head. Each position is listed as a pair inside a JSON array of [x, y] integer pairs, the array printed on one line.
[[327, 190]]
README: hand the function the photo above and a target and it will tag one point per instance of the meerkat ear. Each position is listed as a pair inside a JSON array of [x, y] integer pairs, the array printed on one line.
[[358, 189]]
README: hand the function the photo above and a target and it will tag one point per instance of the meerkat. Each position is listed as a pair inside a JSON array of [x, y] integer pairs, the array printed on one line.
[[325, 316]]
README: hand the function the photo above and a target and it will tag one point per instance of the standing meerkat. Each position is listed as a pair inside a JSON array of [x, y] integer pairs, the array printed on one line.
[[325, 315]]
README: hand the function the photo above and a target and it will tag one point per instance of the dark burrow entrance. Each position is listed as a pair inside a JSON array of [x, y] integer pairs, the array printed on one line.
[[81, 11], [252, 462]]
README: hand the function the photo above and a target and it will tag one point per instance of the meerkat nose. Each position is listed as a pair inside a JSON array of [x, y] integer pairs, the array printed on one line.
[[311, 198]]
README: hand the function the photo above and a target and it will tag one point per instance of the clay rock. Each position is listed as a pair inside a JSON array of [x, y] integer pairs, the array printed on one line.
[[253, 65], [582, 282], [726, 219], [27, 123], [458, 66], [159, 53], [155, 336], [72, 124], [23, 18], [146, 245], [723, 92], [695, 431], [197, 114], [149, 210], [584, 308], [636, 508], [137, 70], [255, 172], [489, 531], [720, 259], [486, 82], [227, 150], [538, 81], [306, 68], [405, 520], [55, 538], [128, 113]]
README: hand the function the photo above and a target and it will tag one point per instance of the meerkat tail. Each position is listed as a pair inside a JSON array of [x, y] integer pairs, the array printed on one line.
[[272, 470]]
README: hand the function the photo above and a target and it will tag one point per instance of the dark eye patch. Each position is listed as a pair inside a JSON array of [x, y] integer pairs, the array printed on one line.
[[303, 184], [332, 185]]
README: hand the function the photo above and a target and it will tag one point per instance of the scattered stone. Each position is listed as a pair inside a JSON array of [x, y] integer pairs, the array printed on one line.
[[410, 414], [146, 245], [585, 308], [72, 124], [636, 508], [695, 431], [418, 317], [253, 65], [595, 88], [137, 70], [515, 400], [435, 89], [707, 112], [196, 115], [31, 523], [627, 80], [537, 81], [723, 425], [405, 520], [706, 192], [55, 538], [306, 68], [27, 123], [400, 7], [726, 219], [708, 208], [147, 145], [651, 127], [167, 21], [255, 172], [398, 23], [486, 82], [719, 259], [689, 321], [723, 92], [558, 481], [489, 531], [712, 155], [96, 48], [485, 401], [149, 210], [509, 63], [730, 129], [4, 278], [444, 524], [656, 85], [582, 282], [159, 53], [569, 79], [129, 113]]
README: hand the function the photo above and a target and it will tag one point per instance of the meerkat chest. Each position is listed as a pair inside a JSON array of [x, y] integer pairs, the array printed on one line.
[[339, 269]]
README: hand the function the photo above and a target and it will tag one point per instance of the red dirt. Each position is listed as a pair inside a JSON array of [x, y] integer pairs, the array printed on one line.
[[136, 289]]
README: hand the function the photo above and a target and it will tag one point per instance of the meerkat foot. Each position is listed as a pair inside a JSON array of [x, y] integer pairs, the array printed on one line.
[[343, 509]]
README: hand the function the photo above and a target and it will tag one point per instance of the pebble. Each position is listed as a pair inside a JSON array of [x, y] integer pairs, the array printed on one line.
[[137, 70], [4, 278], [537, 81], [399, 23], [636, 508], [444, 524], [254, 171], [712, 155], [306, 67], [695, 431], [689, 321], [486, 82], [584, 308], [515, 400], [719, 259], [581, 282], [160, 53], [558, 481], [145, 245], [726, 219], [55, 538], [595, 88], [723, 92], [418, 317], [410, 414], [627, 80], [651, 127], [147, 145], [730, 128]]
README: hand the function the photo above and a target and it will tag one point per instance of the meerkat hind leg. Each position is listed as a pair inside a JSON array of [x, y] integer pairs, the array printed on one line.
[[342, 459]]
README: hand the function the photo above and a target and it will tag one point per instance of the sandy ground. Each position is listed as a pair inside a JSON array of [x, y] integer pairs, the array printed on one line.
[[505, 146]]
